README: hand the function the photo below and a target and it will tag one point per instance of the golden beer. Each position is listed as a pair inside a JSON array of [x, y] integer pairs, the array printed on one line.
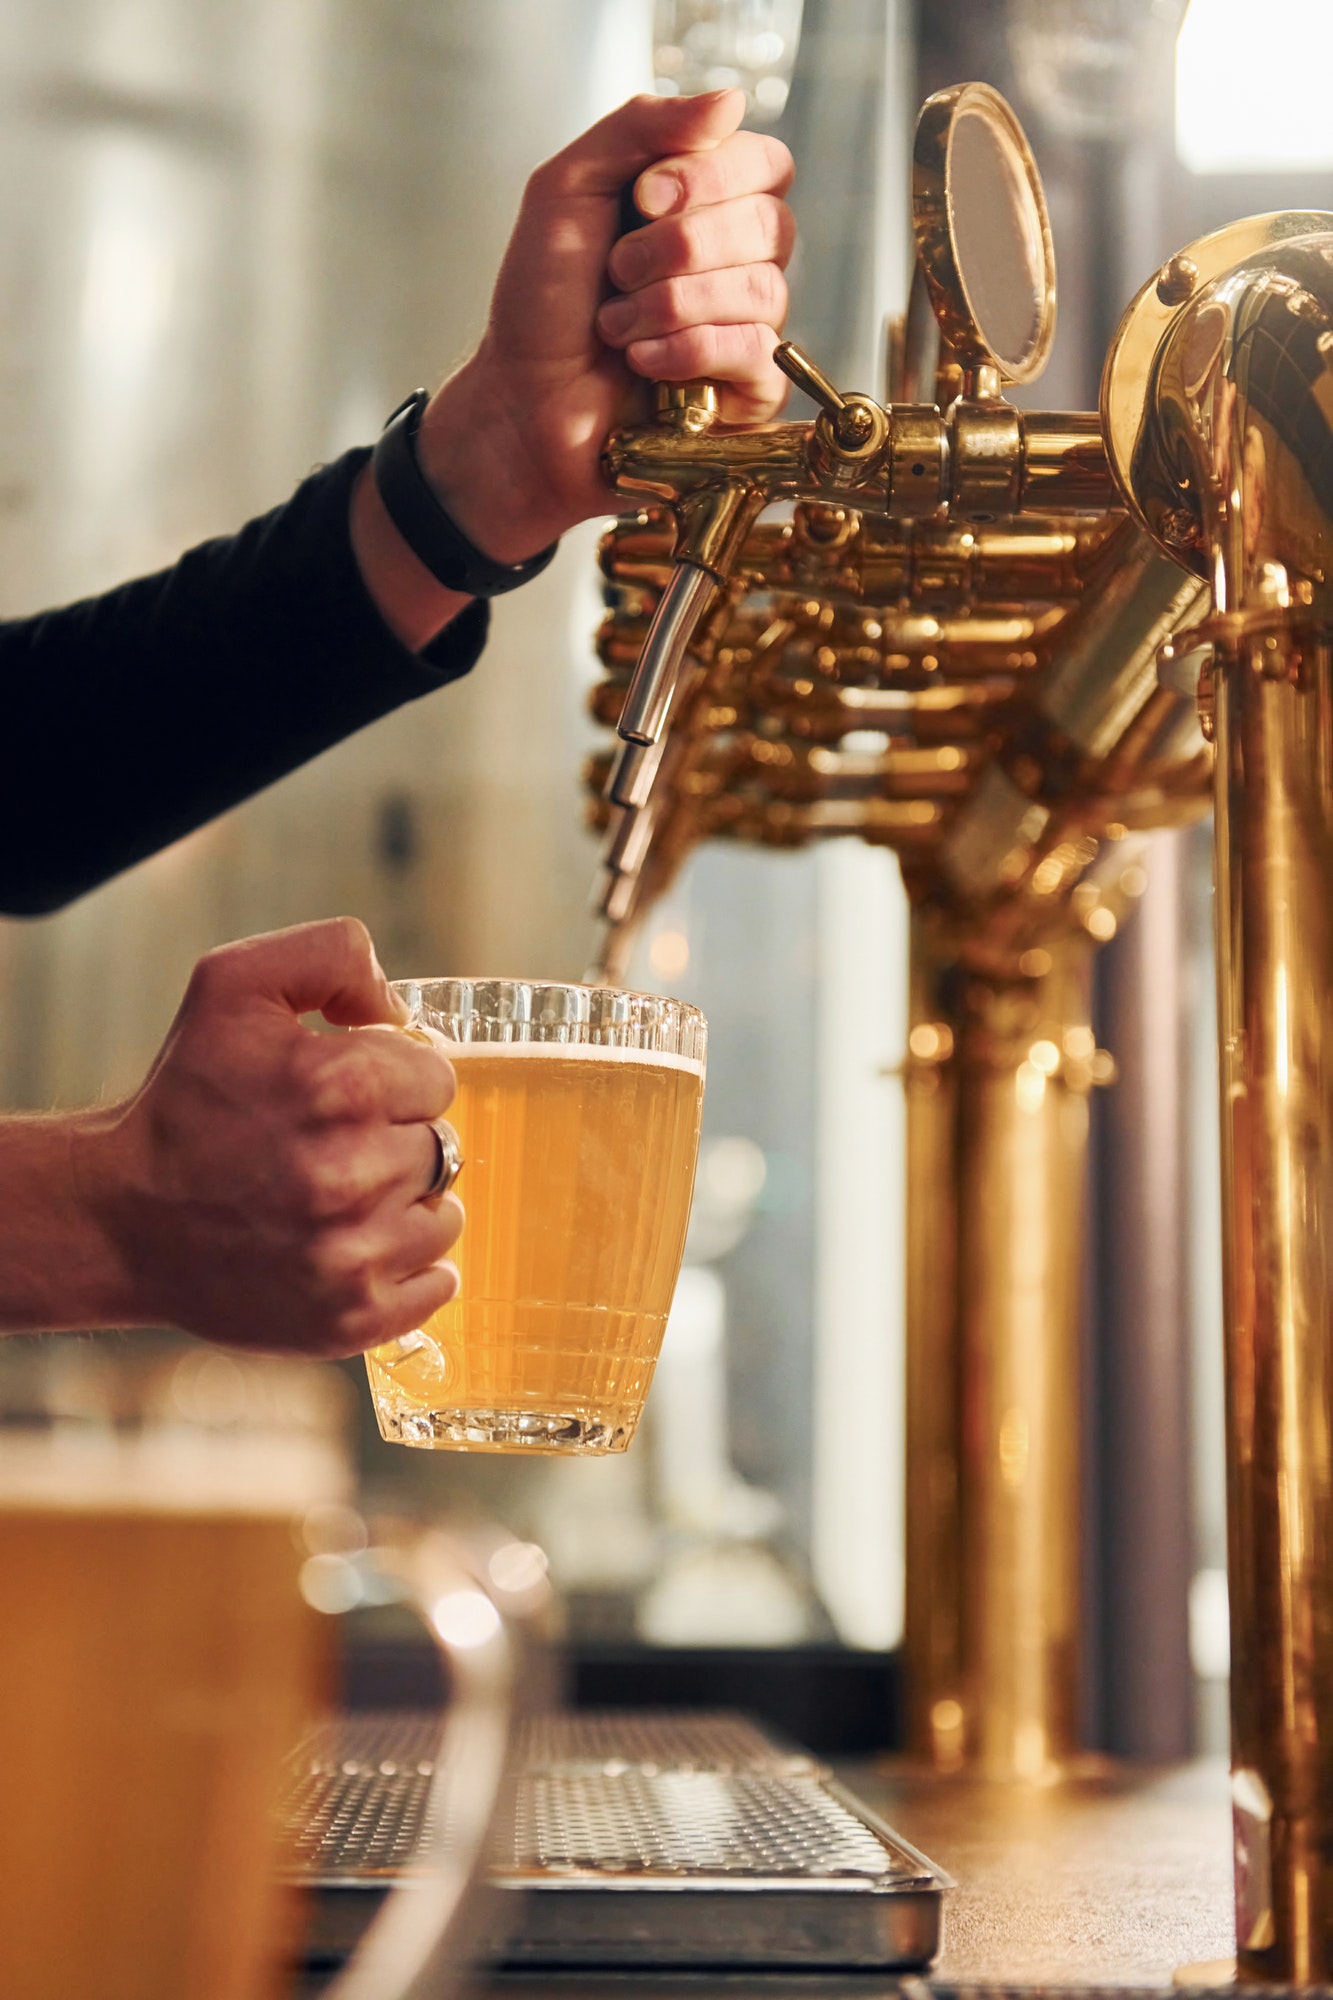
[[157, 1664], [578, 1177]]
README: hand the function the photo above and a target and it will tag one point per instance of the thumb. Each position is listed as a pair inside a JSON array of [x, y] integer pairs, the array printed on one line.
[[329, 967], [640, 133], [686, 124]]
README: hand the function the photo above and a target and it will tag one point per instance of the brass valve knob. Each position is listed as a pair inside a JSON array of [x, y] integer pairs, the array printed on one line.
[[690, 407], [853, 428], [851, 422]]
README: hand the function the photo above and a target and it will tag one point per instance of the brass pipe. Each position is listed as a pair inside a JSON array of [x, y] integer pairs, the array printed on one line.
[[1064, 463], [875, 561], [982, 645], [997, 1124], [1214, 404], [1274, 850], [975, 457]]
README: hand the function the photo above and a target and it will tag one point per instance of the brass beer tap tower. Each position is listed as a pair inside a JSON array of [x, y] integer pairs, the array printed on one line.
[[1217, 405], [976, 634]]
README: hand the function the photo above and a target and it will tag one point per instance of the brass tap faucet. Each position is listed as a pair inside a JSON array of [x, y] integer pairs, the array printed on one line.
[[1004, 643]]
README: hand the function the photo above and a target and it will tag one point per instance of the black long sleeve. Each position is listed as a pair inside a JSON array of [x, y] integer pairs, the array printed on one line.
[[129, 719]]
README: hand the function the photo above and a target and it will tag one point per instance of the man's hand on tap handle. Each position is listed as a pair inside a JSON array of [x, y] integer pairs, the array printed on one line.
[[268, 1185], [581, 315], [264, 1186]]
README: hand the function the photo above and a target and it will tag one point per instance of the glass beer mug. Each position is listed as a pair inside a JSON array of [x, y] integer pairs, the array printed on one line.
[[578, 1112], [162, 1651]]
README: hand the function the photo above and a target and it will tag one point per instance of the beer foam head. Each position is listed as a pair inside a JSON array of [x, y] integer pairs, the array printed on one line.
[[572, 1052]]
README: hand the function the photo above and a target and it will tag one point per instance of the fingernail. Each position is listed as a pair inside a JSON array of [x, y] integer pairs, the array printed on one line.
[[658, 193], [647, 356], [615, 318]]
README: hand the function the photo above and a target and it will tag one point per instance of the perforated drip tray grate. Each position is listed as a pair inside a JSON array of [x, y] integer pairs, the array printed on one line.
[[355, 1806], [636, 1837]]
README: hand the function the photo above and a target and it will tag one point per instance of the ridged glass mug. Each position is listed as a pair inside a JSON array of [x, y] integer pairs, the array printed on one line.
[[578, 1109], [161, 1660]]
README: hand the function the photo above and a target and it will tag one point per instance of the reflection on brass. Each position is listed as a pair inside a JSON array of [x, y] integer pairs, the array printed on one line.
[[944, 638], [976, 635], [686, 406], [997, 1082], [1218, 401]]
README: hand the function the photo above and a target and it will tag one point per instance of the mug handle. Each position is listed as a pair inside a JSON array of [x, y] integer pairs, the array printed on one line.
[[480, 1605], [413, 1346]]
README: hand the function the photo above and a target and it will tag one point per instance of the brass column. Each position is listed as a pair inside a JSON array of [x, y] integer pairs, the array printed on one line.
[[997, 1144], [1219, 424], [1275, 934]]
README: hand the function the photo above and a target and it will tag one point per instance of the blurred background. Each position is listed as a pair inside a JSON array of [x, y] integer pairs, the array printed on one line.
[[233, 233]]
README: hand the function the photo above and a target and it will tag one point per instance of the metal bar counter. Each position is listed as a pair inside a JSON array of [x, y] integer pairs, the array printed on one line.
[[1115, 1880]]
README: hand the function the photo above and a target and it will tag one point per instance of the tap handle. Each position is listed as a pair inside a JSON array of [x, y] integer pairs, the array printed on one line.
[[685, 406], [800, 369], [857, 427]]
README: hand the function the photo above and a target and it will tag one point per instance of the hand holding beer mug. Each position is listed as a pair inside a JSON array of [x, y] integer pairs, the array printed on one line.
[[577, 1114]]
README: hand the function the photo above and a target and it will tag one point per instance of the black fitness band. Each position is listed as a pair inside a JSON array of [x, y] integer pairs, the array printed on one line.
[[432, 536]]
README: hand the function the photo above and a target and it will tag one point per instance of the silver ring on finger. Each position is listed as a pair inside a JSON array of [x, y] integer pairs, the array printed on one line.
[[448, 1158]]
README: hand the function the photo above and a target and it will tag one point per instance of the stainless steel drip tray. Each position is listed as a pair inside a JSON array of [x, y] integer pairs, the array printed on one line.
[[637, 1838]]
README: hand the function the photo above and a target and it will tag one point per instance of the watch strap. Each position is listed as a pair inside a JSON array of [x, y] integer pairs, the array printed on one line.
[[433, 537]]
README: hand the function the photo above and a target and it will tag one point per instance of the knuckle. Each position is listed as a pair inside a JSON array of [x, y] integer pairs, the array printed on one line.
[[756, 346], [346, 1089], [766, 218], [437, 1079], [356, 1330], [413, 1304], [686, 354], [355, 937], [698, 176], [442, 1286], [344, 1270], [305, 1063], [212, 973], [546, 182], [446, 1083], [688, 242], [706, 345], [762, 283], [778, 166], [673, 302], [444, 1227], [332, 1188], [369, 1325], [408, 1072]]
